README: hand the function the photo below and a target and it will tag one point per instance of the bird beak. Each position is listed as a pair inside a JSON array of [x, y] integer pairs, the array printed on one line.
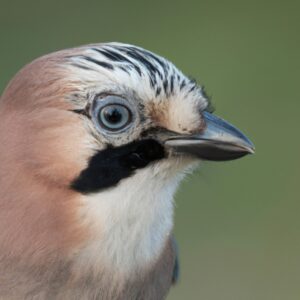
[[219, 141]]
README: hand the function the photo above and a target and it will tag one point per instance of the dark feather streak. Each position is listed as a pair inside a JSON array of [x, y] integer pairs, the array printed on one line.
[[158, 91], [182, 84], [81, 66], [117, 57], [152, 70], [98, 62], [171, 84]]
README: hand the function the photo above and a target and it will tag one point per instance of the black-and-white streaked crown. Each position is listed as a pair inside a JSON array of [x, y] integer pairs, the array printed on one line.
[[131, 64]]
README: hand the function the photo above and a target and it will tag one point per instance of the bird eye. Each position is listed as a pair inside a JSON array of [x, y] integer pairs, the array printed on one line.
[[113, 114], [114, 117]]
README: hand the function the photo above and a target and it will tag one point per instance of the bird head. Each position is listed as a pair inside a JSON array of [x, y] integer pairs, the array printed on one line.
[[109, 129]]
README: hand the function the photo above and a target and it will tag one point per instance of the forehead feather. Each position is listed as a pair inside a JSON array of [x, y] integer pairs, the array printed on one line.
[[116, 66]]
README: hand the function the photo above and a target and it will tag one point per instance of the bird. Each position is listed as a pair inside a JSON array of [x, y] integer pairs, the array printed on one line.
[[94, 143]]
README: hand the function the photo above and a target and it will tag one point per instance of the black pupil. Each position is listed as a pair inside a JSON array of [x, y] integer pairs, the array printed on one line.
[[112, 115]]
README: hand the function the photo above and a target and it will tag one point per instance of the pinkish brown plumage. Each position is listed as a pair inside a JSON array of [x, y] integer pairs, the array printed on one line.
[[86, 204]]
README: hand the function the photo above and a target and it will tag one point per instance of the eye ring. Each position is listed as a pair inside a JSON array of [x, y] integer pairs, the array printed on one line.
[[114, 117], [112, 114]]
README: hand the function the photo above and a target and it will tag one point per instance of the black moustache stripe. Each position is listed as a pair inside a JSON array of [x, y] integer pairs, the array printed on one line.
[[108, 167]]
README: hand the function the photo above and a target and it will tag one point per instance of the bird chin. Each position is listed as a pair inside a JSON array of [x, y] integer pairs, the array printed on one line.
[[177, 165]]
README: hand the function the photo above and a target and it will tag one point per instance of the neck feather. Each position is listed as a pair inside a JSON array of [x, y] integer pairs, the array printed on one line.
[[130, 224]]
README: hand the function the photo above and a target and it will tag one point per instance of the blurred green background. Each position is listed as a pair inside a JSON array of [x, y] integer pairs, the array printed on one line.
[[237, 223]]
